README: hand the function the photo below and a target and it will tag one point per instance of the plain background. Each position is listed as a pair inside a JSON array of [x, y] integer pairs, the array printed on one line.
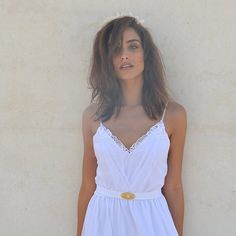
[[45, 48]]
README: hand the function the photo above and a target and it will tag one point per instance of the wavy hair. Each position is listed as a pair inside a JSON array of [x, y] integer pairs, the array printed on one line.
[[106, 88]]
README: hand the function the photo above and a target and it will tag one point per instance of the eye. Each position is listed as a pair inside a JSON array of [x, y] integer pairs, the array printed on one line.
[[133, 46]]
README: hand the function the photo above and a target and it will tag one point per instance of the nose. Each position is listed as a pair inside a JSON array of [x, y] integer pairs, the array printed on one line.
[[123, 57], [123, 54]]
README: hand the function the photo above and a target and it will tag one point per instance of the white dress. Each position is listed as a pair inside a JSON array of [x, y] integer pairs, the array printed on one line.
[[139, 170]]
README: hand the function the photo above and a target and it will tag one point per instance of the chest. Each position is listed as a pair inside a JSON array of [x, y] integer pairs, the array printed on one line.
[[129, 131]]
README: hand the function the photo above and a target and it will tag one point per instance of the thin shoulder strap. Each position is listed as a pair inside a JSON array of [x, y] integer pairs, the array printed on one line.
[[164, 112], [99, 120]]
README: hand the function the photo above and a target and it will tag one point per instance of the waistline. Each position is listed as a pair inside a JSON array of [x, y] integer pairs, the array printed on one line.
[[101, 191]]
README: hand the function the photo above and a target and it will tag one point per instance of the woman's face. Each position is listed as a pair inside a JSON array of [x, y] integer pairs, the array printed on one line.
[[128, 61]]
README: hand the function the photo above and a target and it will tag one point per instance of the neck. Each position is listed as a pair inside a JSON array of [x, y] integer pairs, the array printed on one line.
[[132, 93]]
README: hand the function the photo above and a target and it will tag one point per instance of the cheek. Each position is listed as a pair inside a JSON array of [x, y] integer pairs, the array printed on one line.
[[115, 64], [140, 57], [140, 60]]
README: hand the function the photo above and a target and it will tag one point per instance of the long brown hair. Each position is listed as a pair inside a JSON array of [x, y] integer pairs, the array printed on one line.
[[103, 81]]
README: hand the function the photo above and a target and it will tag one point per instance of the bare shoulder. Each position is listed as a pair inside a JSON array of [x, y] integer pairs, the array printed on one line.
[[176, 110], [176, 115], [89, 121], [90, 110]]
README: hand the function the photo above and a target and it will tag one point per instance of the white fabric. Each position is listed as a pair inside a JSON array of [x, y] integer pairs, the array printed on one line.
[[101, 191], [140, 169]]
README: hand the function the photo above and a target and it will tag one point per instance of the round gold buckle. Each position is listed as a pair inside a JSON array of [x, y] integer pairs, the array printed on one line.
[[128, 195]]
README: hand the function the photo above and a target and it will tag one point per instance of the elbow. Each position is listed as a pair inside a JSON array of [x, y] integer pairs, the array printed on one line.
[[87, 190], [172, 190]]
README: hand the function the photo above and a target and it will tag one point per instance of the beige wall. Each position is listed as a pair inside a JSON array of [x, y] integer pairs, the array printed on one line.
[[45, 48]]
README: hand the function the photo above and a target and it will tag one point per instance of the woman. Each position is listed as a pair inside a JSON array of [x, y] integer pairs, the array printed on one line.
[[134, 137]]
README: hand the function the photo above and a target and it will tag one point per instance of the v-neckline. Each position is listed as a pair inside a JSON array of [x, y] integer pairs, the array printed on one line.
[[136, 143]]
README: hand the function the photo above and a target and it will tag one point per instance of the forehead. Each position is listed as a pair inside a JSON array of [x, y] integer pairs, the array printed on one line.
[[130, 35]]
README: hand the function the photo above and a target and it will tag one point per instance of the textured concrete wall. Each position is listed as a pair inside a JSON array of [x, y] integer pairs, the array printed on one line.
[[45, 48]]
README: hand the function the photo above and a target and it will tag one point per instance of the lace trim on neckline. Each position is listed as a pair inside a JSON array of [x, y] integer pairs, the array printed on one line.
[[137, 142]]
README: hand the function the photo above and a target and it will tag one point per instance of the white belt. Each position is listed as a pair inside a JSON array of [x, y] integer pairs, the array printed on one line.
[[101, 191]]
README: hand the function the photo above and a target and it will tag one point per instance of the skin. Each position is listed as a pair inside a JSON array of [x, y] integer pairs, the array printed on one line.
[[131, 124]]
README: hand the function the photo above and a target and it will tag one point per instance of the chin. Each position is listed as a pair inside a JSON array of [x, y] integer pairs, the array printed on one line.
[[129, 77]]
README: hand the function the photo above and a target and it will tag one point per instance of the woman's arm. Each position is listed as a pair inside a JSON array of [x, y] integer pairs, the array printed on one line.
[[173, 189], [88, 185]]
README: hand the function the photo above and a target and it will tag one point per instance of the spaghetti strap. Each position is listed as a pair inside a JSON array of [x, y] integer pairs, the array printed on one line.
[[100, 121], [164, 112]]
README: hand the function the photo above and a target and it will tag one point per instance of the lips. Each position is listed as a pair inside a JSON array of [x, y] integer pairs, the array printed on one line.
[[126, 66]]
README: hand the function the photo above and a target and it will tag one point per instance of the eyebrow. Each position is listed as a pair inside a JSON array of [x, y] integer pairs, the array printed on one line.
[[132, 40]]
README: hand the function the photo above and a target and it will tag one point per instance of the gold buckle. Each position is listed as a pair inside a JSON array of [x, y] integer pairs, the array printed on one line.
[[128, 195]]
